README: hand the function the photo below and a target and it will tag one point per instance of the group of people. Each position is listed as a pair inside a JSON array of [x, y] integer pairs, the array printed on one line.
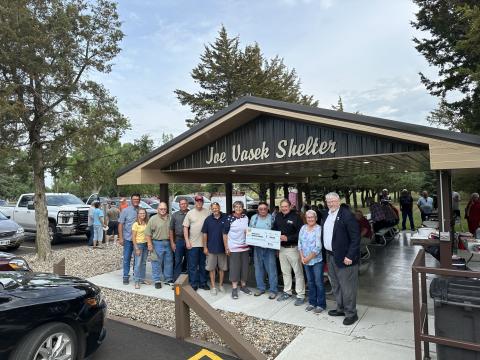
[[98, 223], [206, 243]]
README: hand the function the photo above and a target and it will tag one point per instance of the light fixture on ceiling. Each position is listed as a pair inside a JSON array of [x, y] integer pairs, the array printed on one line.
[[319, 174], [233, 170], [366, 162], [405, 171], [287, 173], [392, 167]]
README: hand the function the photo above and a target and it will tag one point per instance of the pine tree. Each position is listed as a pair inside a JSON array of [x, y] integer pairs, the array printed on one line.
[[226, 72], [452, 45]]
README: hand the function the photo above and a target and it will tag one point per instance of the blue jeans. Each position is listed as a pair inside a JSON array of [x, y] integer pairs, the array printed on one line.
[[98, 233], [140, 263], [127, 257], [180, 258], [197, 275], [316, 291], [265, 260], [162, 268]]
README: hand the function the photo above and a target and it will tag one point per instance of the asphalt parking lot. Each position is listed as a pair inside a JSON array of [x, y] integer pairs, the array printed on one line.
[[130, 342], [28, 245]]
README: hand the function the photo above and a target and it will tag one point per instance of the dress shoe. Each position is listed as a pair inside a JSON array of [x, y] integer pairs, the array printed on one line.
[[350, 320], [336, 313]]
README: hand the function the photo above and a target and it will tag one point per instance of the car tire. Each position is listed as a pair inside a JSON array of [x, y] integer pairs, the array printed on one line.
[[37, 340], [52, 232], [13, 247]]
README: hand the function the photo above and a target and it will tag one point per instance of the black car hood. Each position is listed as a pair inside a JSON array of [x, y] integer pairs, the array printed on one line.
[[32, 285]]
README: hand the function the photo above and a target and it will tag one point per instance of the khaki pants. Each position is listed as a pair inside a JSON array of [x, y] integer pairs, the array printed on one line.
[[290, 259]]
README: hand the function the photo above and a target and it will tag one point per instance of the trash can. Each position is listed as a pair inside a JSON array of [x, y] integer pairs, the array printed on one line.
[[457, 315]]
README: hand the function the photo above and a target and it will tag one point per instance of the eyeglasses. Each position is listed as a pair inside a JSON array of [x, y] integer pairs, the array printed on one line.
[[164, 209]]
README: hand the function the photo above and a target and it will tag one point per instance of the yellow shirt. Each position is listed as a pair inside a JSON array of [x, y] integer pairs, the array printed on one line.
[[140, 230]]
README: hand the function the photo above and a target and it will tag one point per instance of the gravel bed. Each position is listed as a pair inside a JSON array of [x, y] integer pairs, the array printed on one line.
[[82, 261], [270, 337]]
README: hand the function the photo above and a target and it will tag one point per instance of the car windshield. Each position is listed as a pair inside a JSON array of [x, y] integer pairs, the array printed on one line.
[[59, 200], [2, 216]]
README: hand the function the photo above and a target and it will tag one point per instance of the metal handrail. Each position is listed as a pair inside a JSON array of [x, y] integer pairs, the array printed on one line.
[[420, 307], [186, 298]]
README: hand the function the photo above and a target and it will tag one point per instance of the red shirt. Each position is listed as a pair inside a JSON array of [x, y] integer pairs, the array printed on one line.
[[364, 224]]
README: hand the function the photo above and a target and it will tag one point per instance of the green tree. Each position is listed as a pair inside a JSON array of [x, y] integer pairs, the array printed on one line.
[[453, 46], [226, 73], [49, 51]]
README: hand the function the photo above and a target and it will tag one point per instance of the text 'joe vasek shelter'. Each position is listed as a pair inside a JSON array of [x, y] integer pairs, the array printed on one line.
[[256, 140]]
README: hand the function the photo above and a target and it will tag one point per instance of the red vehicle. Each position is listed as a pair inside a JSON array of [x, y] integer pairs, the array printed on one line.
[[11, 262]]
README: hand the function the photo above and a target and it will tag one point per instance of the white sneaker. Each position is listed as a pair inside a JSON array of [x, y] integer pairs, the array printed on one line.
[[213, 291], [221, 289]]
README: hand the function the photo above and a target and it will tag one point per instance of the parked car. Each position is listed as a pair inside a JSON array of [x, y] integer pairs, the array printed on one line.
[[102, 199], [46, 316], [252, 205], [67, 214], [150, 211], [11, 262], [11, 234], [3, 202], [191, 202]]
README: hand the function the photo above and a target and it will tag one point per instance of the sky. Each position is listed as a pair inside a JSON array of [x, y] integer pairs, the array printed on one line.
[[361, 50]]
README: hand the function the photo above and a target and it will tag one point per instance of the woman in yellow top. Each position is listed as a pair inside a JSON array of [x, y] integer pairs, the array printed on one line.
[[140, 247]]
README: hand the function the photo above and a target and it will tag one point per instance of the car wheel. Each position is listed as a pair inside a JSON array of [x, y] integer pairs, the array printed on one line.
[[13, 247], [50, 341], [52, 232]]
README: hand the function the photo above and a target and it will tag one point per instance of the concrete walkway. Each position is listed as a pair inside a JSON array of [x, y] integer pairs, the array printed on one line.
[[379, 334]]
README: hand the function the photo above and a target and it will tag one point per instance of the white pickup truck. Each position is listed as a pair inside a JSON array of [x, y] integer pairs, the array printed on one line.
[[67, 214]]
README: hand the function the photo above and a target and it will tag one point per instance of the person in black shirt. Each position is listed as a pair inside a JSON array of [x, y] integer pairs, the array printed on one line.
[[289, 224], [406, 207]]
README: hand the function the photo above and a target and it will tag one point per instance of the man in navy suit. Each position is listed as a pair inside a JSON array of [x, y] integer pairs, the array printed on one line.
[[341, 240]]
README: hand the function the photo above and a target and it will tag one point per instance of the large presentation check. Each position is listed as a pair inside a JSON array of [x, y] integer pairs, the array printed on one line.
[[264, 238]]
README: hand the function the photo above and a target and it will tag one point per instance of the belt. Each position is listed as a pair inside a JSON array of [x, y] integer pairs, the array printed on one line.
[[290, 246], [161, 240], [329, 252]]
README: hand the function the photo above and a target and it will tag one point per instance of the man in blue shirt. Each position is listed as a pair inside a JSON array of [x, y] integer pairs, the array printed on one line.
[[425, 205], [265, 260], [127, 217], [214, 248], [98, 217]]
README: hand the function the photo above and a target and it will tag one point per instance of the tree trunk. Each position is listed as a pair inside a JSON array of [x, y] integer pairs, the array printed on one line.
[[347, 196], [42, 243], [362, 197], [354, 193]]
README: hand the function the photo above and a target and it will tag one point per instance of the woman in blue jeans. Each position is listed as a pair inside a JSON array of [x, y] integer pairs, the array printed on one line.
[[140, 245], [310, 248]]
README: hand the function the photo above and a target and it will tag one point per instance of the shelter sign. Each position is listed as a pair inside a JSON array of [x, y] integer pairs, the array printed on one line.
[[268, 139]]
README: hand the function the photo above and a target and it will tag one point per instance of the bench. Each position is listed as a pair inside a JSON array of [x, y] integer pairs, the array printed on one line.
[[386, 235]]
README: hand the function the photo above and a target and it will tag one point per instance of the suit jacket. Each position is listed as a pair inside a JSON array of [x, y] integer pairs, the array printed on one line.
[[346, 237]]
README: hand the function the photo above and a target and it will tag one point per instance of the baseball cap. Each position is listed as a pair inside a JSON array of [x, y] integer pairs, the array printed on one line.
[[199, 198]]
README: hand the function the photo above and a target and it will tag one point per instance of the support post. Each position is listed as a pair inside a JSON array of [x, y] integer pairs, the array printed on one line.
[[299, 197], [272, 192], [285, 191], [59, 267], [164, 193], [228, 197], [444, 201], [308, 196]]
